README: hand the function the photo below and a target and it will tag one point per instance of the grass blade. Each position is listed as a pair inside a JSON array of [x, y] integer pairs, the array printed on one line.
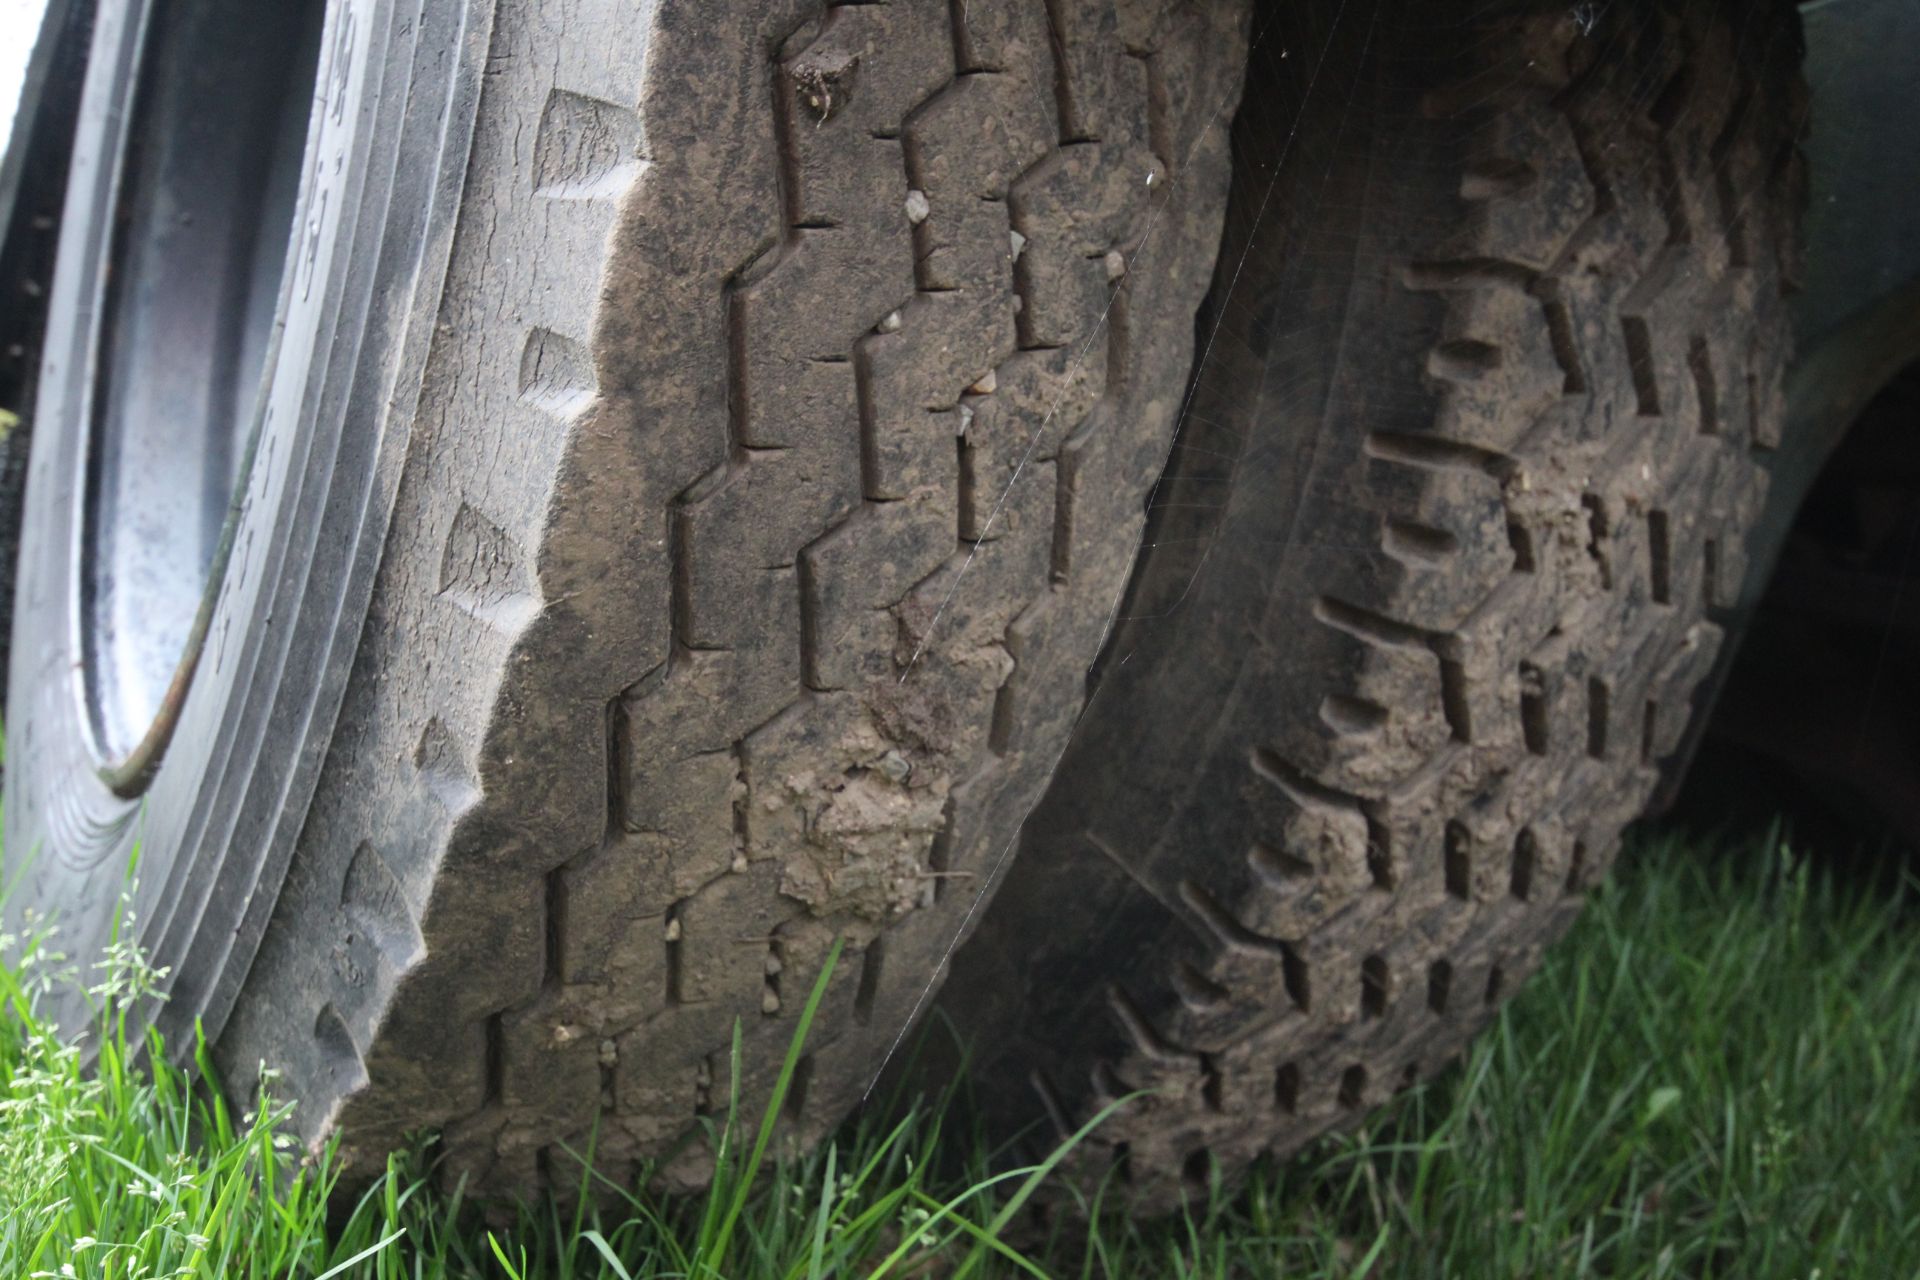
[[723, 1236]]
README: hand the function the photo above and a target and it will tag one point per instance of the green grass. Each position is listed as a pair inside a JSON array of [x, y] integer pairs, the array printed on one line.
[[1718, 1074]]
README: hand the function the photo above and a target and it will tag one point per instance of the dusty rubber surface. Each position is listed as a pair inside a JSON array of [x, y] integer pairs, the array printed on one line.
[[801, 376], [1442, 554]]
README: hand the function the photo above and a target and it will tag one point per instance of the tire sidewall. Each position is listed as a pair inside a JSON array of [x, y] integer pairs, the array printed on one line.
[[196, 861]]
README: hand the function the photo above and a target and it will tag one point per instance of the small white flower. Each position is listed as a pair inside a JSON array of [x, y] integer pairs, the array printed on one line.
[[84, 1243]]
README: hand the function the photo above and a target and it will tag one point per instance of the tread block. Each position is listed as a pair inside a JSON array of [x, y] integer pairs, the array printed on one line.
[[1037, 702], [739, 546], [910, 378], [724, 929], [549, 1071], [964, 149], [795, 387], [1495, 408], [1040, 398], [1012, 37], [1528, 193], [615, 901], [1072, 210], [1101, 87]]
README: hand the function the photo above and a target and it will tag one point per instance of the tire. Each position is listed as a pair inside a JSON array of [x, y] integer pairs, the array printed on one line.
[[1493, 373], [601, 585]]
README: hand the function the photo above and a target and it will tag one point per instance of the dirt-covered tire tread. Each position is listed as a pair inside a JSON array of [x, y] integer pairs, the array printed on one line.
[[857, 296], [1507, 609]]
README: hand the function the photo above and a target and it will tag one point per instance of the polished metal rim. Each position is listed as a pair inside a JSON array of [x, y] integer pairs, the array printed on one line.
[[188, 315]]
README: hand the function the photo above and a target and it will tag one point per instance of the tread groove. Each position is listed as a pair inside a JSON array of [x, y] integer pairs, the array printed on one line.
[[1438, 453], [1577, 868], [1212, 1085], [1700, 365], [1418, 545], [1145, 1036], [1196, 990], [872, 966], [618, 745], [1660, 557], [1599, 716], [1465, 360], [1534, 720], [1458, 845], [1454, 703], [555, 972], [675, 991], [1380, 859], [1374, 628], [1560, 336], [1520, 542], [1526, 856], [1345, 714], [794, 1107], [1286, 1088], [1469, 273], [1599, 531], [1277, 867], [1373, 987], [772, 968], [1641, 365], [1353, 1087], [494, 1090]]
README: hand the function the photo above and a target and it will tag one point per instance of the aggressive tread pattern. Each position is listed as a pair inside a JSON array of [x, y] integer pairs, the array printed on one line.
[[1400, 806], [838, 372]]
